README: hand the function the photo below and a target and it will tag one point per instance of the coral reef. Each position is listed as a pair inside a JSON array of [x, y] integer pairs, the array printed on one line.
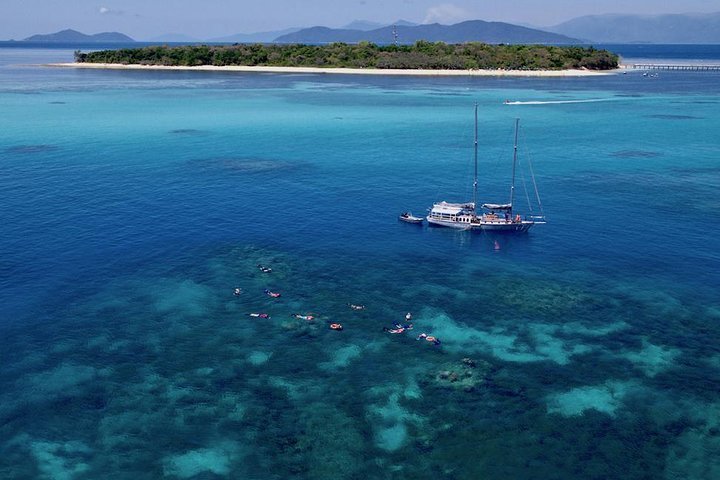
[[466, 375]]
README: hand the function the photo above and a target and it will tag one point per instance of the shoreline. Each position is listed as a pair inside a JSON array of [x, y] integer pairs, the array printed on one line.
[[344, 71]]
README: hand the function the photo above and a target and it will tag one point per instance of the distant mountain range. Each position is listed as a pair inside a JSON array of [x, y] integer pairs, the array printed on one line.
[[470, 31], [269, 37], [686, 28], [258, 37], [366, 25], [73, 36]]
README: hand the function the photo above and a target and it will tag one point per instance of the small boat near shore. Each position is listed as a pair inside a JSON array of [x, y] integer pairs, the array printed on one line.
[[408, 217], [496, 217]]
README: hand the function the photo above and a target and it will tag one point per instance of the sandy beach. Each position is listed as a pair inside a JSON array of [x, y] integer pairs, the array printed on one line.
[[348, 71]]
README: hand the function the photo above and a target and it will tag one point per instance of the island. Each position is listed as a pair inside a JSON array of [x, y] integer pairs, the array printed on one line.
[[73, 36], [363, 57]]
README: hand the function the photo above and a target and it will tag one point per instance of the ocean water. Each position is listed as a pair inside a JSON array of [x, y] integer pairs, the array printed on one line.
[[134, 203]]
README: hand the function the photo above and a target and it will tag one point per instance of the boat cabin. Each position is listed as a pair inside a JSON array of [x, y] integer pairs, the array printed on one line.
[[453, 212], [498, 213]]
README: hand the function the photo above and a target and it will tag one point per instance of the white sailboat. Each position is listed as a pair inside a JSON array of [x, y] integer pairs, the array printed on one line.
[[497, 217]]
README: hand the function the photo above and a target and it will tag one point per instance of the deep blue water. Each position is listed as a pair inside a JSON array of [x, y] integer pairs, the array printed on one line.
[[682, 53], [133, 203]]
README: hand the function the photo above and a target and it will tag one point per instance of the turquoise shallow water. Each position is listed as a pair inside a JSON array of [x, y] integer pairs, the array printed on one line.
[[135, 202]]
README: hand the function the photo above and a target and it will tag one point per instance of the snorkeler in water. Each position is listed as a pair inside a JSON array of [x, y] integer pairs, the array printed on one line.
[[398, 328], [237, 292], [303, 317], [264, 269], [393, 330], [259, 315], [271, 294], [356, 307], [429, 338]]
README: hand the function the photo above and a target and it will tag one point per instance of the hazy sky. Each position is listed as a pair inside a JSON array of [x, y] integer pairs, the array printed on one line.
[[142, 19]]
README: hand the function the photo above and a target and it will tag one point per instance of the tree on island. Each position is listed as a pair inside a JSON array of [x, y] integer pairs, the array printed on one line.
[[421, 55]]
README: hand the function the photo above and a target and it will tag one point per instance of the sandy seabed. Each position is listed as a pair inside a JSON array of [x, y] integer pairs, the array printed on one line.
[[351, 71]]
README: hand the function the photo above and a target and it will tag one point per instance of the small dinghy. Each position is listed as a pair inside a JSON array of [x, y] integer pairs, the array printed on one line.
[[409, 218]]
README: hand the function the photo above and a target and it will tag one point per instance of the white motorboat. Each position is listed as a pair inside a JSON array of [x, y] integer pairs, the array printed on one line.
[[410, 218]]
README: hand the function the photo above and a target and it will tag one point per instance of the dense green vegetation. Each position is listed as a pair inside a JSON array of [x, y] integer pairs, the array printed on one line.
[[421, 55]]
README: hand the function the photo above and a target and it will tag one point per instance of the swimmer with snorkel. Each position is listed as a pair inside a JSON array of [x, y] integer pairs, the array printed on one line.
[[429, 338], [398, 328]]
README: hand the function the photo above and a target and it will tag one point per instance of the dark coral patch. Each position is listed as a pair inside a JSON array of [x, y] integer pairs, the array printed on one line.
[[186, 131], [20, 149], [662, 116], [635, 154]]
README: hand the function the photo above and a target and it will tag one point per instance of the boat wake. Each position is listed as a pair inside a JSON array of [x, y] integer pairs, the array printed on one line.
[[553, 102]]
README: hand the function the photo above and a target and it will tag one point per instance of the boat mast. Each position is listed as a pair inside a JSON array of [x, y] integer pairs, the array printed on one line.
[[475, 178], [512, 184]]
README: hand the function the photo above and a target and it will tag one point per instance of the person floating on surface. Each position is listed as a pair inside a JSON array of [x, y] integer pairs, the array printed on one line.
[[303, 317], [408, 317], [393, 330], [264, 269], [237, 292], [259, 315], [398, 328], [356, 307], [429, 338], [271, 294]]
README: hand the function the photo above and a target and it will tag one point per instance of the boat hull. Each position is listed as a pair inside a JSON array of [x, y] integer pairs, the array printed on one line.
[[448, 224], [412, 220], [510, 227], [515, 227]]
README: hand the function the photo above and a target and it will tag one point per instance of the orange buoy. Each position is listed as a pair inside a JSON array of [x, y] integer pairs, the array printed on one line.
[[336, 326], [430, 338]]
